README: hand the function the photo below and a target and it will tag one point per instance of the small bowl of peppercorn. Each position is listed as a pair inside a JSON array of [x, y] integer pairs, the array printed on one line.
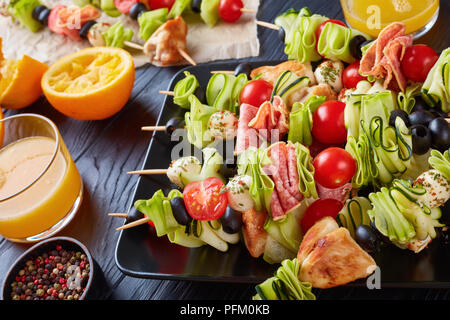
[[59, 268]]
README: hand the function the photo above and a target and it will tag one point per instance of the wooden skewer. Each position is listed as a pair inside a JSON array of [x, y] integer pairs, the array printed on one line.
[[223, 71], [267, 25], [188, 58], [119, 215], [133, 45], [149, 171], [183, 53], [134, 223], [245, 10], [154, 128], [167, 93]]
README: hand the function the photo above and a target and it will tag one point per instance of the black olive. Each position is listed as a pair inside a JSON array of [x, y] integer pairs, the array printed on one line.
[[367, 238], [380, 236], [200, 94], [355, 46], [282, 34], [196, 5], [173, 124], [231, 221], [422, 117], [440, 132], [37, 11], [364, 191], [134, 215], [398, 113], [179, 211], [421, 139], [85, 29], [420, 104], [244, 68], [43, 16], [228, 170], [437, 113], [137, 9]]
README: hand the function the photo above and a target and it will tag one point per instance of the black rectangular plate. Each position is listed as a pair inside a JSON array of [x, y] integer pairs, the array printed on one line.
[[140, 253]]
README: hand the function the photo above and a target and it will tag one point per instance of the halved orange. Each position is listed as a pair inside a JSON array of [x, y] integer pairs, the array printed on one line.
[[20, 81], [91, 84]]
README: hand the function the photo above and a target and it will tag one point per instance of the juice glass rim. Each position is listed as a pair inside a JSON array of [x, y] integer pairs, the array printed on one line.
[[55, 151]]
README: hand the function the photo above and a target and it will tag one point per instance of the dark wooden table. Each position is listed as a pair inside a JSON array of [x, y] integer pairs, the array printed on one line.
[[105, 150]]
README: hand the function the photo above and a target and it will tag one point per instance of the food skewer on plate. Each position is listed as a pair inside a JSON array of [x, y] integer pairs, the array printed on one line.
[[283, 177]]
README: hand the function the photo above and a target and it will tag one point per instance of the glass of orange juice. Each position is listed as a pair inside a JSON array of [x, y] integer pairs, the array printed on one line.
[[371, 16], [40, 187]]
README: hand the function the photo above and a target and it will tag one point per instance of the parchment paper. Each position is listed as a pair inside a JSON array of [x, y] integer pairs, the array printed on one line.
[[223, 41]]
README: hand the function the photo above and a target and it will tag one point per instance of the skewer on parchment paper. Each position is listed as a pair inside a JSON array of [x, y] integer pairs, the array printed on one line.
[[183, 53]]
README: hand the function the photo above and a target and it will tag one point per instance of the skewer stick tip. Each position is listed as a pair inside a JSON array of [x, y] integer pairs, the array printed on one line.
[[267, 25], [186, 56], [134, 223], [153, 128], [222, 71], [149, 171], [134, 45], [167, 93], [119, 215], [245, 10]]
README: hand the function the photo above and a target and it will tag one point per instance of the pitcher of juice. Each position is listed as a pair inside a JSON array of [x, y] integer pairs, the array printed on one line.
[[40, 186], [371, 16]]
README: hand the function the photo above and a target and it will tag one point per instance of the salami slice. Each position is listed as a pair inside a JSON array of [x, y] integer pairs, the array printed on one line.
[[246, 136], [283, 171], [269, 122], [341, 194], [382, 59]]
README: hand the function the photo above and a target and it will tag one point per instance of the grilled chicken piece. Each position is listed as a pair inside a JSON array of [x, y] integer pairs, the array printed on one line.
[[336, 260], [318, 230], [163, 46], [271, 73], [303, 94], [255, 236]]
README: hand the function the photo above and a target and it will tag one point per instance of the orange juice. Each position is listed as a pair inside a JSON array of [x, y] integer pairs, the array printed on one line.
[[38, 186], [371, 16]]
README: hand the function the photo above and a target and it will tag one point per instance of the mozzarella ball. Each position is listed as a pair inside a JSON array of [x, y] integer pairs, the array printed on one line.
[[437, 188], [239, 197], [223, 125], [95, 34], [180, 170], [330, 72]]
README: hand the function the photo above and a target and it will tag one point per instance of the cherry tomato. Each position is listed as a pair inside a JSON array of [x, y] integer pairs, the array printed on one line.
[[329, 123], [322, 25], [158, 4], [205, 200], [124, 6], [351, 76], [319, 209], [334, 167], [230, 10], [256, 92], [417, 62]]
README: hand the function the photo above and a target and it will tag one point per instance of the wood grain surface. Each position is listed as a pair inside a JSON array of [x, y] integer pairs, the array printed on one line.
[[105, 150]]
